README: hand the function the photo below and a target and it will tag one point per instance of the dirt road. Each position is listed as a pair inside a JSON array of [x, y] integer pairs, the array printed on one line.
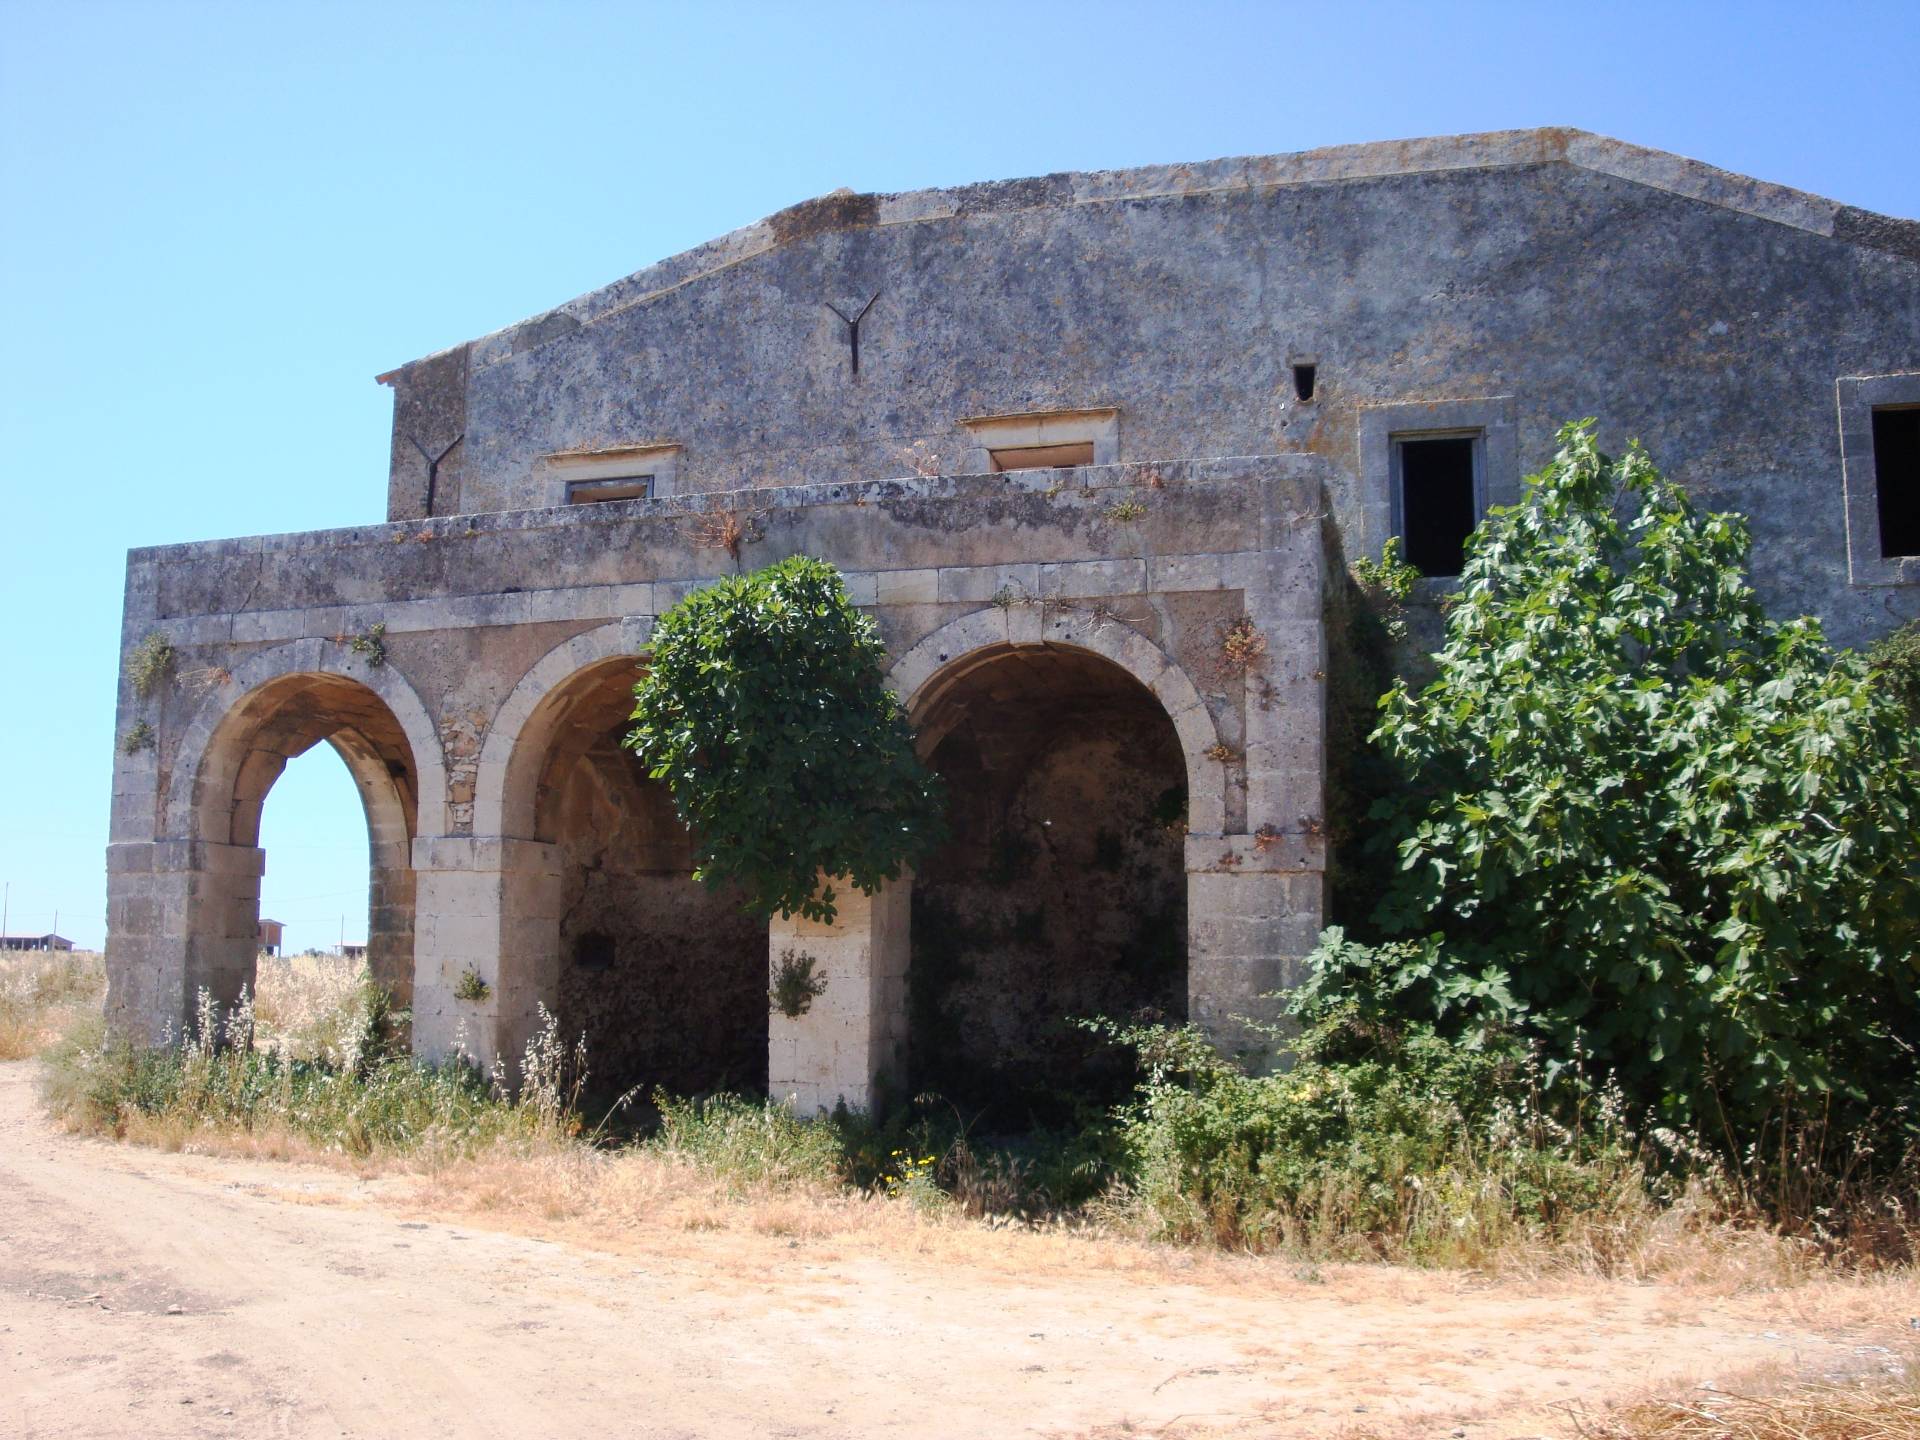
[[150, 1294]]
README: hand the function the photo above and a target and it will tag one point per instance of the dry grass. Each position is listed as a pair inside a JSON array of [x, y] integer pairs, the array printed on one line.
[[301, 1002], [43, 993], [737, 1166], [667, 1204], [620, 1198], [1880, 1403]]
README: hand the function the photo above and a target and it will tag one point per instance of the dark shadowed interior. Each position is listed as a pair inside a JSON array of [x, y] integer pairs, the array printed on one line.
[[665, 976], [1062, 891]]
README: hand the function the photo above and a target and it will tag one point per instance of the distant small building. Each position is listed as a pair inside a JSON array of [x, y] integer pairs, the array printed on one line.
[[270, 933], [354, 952], [35, 942]]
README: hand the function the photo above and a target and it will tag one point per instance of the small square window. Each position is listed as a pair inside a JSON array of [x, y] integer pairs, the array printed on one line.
[[1880, 470], [612, 487], [1429, 471], [1436, 499], [1896, 478], [1042, 457]]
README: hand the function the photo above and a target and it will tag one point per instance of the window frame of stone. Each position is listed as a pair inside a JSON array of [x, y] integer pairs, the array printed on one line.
[[571, 477], [1858, 397], [1488, 421], [1098, 426]]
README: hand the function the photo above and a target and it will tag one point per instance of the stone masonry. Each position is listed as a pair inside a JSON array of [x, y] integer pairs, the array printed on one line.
[[1097, 424]]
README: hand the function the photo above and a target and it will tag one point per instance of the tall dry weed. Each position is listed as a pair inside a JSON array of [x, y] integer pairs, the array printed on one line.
[[306, 1007], [42, 992]]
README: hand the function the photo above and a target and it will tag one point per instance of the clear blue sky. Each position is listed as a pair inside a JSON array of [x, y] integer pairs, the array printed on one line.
[[218, 223]]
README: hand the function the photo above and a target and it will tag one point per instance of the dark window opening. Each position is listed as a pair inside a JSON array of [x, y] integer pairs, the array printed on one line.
[[1437, 509], [617, 487], [594, 951], [1896, 479], [1043, 457], [1303, 381]]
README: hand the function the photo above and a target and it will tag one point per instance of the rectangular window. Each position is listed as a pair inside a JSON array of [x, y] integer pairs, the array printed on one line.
[[1896, 479], [610, 487], [1437, 500], [1042, 457], [1042, 440]]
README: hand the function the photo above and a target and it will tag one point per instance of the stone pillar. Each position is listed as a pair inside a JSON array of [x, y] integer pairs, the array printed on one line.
[[1254, 911], [492, 906], [851, 1044], [182, 916], [390, 913], [1256, 895]]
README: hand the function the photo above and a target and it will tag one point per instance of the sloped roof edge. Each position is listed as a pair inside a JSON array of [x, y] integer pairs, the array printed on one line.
[[843, 209]]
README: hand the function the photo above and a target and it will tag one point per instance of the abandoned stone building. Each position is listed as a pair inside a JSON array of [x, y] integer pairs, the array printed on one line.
[[1092, 450]]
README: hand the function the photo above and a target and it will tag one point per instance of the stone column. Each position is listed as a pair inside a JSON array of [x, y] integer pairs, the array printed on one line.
[[390, 921], [182, 916], [1256, 895], [492, 906], [1254, 911], [851, 1044]]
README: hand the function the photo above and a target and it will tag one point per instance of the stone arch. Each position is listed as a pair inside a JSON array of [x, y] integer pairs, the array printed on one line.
[[665, 976], [1077, 760], [505, 789], [950, 653], [275, 705], [254, 681]]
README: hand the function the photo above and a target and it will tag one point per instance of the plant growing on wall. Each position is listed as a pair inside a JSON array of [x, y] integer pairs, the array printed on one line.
[[1241, 646], [1643, 826], [1367, 645], [371, 644], [795, 985], [470, 986], [765, 713], [149, 663], [1386, 585], [139, 737]]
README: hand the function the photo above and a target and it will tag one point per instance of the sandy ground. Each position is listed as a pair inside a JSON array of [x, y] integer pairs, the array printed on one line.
[[161, 1295]]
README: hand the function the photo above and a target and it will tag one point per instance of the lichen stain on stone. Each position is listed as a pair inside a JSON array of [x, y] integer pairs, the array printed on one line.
[[841, 210]]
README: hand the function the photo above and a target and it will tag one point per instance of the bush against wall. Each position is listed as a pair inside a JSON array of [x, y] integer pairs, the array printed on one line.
[[1895, 660], [766, 715], [1646, 828]]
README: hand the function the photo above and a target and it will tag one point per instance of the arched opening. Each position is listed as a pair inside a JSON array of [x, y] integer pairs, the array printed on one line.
[[245, 755], [1061, 893], [665, 976], [314, 832]]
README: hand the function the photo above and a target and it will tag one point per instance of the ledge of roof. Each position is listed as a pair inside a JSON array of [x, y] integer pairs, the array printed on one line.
[[846, 210]]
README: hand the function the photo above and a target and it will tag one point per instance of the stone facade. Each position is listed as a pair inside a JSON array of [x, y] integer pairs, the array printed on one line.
[[856, 378]]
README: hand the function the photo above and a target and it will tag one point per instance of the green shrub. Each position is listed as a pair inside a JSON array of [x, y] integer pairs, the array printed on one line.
[[749, 1142], [1895, 660], [1426, 1150], [1642, 824], [764, 711]]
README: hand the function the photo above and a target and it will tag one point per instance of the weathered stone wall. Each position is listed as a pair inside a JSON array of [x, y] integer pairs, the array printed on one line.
[[510, 645], [1705, 313]]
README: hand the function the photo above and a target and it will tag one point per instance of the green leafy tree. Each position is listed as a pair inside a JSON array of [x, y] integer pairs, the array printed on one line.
[[1645, 827], [765, 713]]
